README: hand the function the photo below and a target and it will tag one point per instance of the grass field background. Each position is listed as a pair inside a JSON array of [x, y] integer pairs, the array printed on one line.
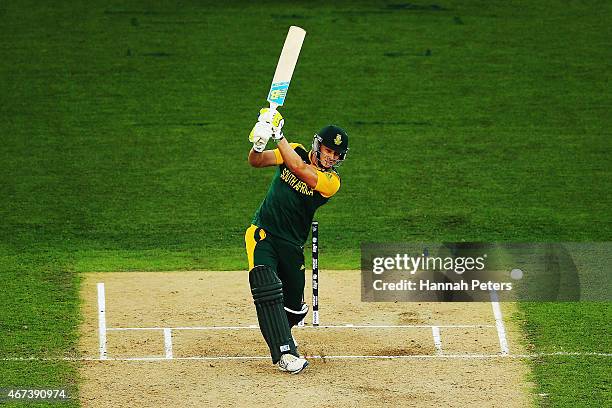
[[124, 141]]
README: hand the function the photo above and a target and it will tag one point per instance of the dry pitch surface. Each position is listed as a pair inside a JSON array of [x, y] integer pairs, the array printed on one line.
[[424, 375]]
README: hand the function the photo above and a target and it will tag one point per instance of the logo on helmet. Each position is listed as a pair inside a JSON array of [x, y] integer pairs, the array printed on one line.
[[338, 140]]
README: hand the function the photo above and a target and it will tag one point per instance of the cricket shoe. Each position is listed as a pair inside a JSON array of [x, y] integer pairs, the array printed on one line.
[[291, 363]]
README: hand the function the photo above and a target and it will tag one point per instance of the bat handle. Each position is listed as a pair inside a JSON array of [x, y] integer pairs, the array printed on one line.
[[273, 106]]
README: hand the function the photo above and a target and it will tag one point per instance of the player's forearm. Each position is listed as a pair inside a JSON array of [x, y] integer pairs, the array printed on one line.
[[294, 162], [263, 159], [291, 159], [255, 158]]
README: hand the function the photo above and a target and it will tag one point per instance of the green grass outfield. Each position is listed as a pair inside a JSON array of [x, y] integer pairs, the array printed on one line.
[[124, 140]]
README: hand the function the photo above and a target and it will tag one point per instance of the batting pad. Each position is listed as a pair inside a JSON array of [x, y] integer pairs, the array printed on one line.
[[267, 291]]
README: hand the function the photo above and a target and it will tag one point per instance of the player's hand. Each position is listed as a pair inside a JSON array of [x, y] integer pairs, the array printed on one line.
[[272, 117], [259, 136], [277, 131], [275, 120]]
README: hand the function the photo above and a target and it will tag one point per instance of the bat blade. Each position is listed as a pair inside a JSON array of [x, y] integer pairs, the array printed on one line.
[[286, 65]]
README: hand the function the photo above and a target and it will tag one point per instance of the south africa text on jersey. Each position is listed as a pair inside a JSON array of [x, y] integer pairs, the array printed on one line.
[[295, 183]]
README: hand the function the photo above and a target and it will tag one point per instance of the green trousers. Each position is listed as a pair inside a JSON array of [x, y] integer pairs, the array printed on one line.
[[285, 258]]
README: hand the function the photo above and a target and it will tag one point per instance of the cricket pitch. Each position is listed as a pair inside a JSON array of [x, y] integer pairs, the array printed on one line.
[[190, 339]]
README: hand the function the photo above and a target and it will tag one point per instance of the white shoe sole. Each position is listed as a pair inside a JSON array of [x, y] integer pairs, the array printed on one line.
[[300, 370], [295, 371]]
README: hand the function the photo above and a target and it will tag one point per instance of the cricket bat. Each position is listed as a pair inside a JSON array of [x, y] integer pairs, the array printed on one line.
[[286, 65]]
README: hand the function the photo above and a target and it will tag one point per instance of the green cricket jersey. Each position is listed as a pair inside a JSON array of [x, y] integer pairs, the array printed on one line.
[[289, 206]]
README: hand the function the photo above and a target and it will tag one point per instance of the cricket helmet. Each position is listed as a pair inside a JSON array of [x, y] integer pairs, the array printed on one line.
[[333, 137]]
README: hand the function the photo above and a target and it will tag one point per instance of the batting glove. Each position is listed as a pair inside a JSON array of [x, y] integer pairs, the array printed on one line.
[[259, 136], [272, 117], [275, 120], [277, 131]]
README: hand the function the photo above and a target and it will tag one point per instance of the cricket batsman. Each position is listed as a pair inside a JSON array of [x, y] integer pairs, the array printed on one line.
[[304, 181]]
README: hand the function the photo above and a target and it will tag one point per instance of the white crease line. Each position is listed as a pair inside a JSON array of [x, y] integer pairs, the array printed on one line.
[[435, 331], [168, 343], [499, 324], [340, 357], [102, 321], [346, 326]]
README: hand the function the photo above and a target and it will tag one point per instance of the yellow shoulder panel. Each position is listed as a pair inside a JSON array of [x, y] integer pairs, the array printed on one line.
[[294, 145], [279, 157], [328, 183]]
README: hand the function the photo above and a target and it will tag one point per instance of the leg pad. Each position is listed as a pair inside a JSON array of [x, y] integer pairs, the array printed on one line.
[[267, 291]]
